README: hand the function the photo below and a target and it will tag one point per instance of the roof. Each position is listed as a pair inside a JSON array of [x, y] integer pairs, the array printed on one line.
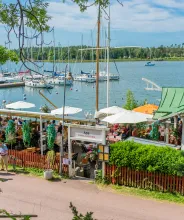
[[172, 101], [46, 116], [147, 109], [151, 142]]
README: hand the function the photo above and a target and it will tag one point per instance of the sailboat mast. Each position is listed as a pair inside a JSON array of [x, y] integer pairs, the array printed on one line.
[[68, 58], [54, 55], [108, 56], [92, 54], [97, 59], [81, 46]]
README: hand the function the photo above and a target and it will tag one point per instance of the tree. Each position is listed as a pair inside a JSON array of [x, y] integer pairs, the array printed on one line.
[[131, 103], [6, 55]]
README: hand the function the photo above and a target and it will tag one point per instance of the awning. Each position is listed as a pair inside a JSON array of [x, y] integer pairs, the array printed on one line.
[[146, 109], [172, 101]]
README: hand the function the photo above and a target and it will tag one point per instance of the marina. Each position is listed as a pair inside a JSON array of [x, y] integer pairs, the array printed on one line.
[[131, 74]]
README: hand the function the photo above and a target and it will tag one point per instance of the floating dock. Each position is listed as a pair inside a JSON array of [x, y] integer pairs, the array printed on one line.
[[9, 85]]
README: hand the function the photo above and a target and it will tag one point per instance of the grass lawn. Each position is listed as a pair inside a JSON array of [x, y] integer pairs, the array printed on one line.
[[146, 194]]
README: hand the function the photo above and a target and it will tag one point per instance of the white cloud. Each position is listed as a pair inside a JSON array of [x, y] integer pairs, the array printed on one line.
[[135, 15], [175, 4]]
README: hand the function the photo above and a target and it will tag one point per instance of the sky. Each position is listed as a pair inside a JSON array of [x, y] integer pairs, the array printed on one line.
[[143, 23]]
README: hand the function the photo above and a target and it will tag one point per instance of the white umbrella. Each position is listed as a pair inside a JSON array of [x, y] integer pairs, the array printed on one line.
[[68, 111], [109, 111], [128, 117], [112, 110], [20, 105]]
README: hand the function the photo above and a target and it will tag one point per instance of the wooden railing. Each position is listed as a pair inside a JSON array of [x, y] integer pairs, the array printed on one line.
[[144, 179], [28, 159]]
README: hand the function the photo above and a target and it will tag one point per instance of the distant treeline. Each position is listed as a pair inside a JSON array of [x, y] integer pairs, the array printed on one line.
[[74, 53]]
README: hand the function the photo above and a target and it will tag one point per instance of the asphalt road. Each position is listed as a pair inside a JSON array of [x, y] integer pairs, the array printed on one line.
[[50, 200]]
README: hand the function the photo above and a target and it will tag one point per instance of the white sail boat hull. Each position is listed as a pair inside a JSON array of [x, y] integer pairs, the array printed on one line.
[[37, 84]]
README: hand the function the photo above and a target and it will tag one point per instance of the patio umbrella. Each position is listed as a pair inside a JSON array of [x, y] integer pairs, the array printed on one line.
[[147, 109], [128, 117], [112, 110], [20, 105], [68, 111], [109, 111]]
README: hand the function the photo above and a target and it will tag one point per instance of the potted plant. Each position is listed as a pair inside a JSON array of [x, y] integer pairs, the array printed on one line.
[[51, 135], [10, 133], [26, 130]]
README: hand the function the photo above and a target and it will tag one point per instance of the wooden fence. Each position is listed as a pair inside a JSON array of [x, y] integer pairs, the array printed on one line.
[[28, 159], [144, 179]]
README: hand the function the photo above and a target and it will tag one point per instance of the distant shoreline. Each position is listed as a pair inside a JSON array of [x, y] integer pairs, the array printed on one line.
[[116, 60]]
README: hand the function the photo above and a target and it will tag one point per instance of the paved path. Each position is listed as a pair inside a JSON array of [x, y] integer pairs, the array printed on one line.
[[50, 200]]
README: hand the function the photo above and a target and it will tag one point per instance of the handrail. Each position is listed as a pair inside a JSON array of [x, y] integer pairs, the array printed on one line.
[[47, 99]]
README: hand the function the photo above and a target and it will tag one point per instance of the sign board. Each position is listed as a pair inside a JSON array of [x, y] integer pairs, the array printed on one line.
[[90, 135], [103, 153]]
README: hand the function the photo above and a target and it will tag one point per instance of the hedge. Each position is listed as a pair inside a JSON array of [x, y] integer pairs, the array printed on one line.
[[147, 157]]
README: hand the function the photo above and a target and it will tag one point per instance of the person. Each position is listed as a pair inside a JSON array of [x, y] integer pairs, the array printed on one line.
[[123, 133], [3, 156], [180, 128], [2, 135], [128, 131], [135, 132], [19, 123], [148, 131], [35, 138], [60, 128], [19, 131]]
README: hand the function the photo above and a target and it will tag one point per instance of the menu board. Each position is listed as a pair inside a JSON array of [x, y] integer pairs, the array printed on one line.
[[103, 153]]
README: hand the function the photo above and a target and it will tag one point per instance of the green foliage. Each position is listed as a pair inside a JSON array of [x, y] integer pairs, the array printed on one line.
[[10, 132], [26, 129], [79, 216], [9, 216], [51, 135], [51, 157], [6, 55], [45, 108], [147, 157], [131, 103], [115, 54], [100, 179], [84, 4], [34, 14]]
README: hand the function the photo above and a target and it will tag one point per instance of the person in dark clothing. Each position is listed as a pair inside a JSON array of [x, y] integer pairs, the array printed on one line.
[[60, 128], [35, 138]]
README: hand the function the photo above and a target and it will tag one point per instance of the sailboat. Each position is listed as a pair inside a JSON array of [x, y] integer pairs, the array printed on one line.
[[58, 77], [85, 77]]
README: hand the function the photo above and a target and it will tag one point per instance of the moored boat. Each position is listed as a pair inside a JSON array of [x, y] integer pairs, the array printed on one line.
[[38, 84], [150, 64]]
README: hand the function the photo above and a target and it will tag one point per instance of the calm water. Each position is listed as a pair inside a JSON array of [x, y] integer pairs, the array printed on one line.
[[83, 95]]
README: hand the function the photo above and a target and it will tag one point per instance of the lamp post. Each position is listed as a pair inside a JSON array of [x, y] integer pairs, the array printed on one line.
[[63, 118]]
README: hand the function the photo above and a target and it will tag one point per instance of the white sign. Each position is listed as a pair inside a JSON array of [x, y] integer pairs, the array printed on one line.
[[92, 135]]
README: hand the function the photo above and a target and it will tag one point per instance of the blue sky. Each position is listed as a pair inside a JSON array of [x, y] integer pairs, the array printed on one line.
[[138, 22]]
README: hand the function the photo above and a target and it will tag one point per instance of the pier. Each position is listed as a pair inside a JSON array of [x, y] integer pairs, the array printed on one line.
[[9, 85]]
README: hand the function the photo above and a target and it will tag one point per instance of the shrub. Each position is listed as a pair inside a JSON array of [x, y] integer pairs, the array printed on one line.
[[147, 157]]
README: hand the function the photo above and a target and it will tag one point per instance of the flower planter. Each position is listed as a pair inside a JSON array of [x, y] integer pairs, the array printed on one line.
[[48, 174]]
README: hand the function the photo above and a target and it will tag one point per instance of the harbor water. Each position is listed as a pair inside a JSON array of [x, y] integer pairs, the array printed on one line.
[[164, 74]]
